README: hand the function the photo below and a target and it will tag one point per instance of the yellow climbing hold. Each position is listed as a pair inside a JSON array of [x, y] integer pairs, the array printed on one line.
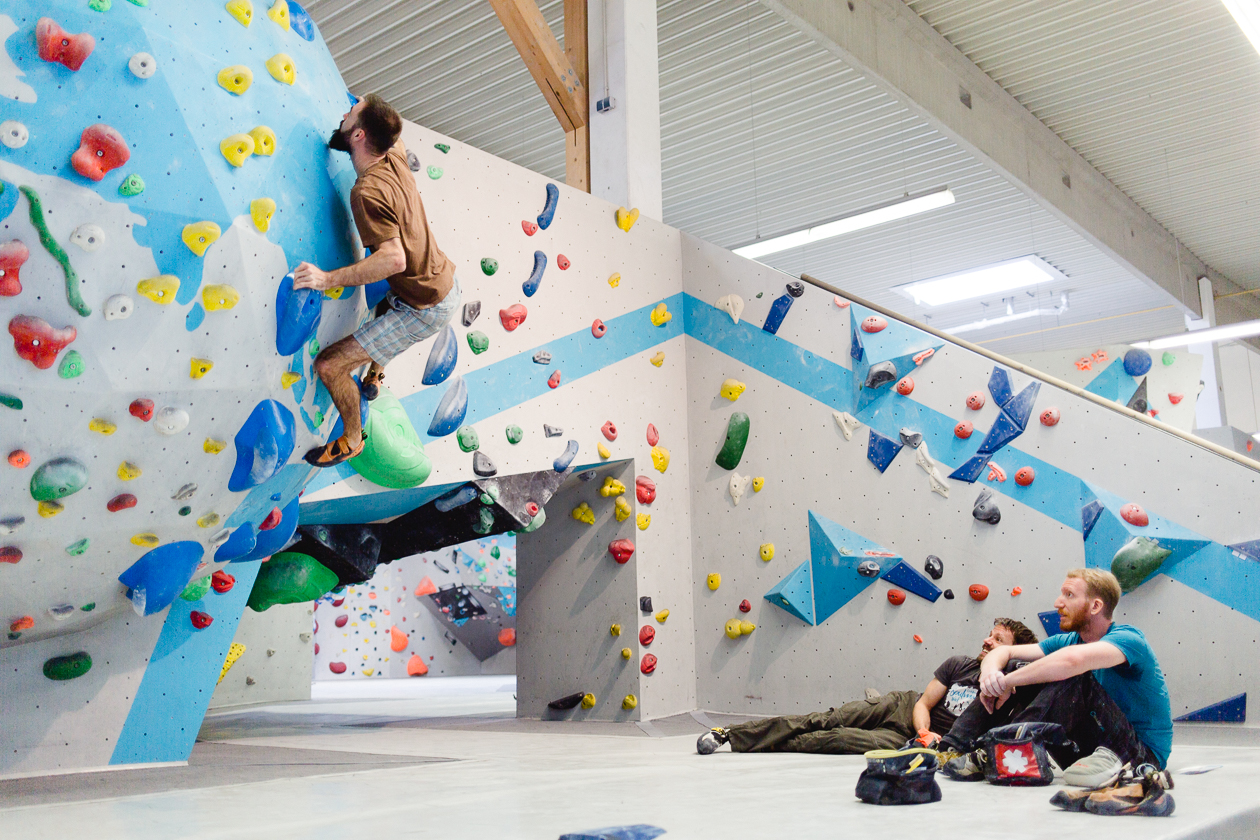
[[200, 235], [767, 551], [746, 627], [626, 653], [367, 672], [243, 11], [160, 289], [660, 458], [621, 509], [758, 483], [280, 14], [615, 279], [236, 648], [661, 315], [261, 210], [614, 630], [612, 487], [603, 451], [583, 513], [288, 378], [237, 148], [198, 368], [643, 520], [216, 297], [281, 68], [658, 359], [627, 218], [588, 701], [50, 509], [264, 140], [103, 426], [732, 388], [714, 580], [732, 629], [661, 616], [629, 702], [214, 447], [236, 79], [208, 521], [145, 540], [335, 292], [128, 471]]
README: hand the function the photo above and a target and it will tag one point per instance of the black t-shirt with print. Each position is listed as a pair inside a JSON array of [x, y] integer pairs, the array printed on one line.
[[961, 677]]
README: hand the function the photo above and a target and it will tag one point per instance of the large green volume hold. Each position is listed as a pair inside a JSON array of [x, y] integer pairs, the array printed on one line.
[[68, 667], [1137, 560], [736, 439], [290, 578], [393, 455]]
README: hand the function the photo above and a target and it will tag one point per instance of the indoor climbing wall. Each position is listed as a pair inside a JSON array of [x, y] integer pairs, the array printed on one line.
[[912, 491], [271, 655]]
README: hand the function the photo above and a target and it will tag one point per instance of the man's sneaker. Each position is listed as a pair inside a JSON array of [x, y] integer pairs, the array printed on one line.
[[1099, 770], [333, 453], [968, 767], [711, 740], [370, 387]]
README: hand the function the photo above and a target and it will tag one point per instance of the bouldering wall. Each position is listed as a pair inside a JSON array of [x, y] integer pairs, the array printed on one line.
[[271, 658], [866, 469]]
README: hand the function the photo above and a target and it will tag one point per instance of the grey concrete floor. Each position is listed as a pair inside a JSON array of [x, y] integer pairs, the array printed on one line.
[[365, 768]]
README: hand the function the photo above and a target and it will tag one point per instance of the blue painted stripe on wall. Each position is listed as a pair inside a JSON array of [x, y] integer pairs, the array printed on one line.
[[182, 673]]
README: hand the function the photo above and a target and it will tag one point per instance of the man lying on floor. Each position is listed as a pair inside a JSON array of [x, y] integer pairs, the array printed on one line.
[[884, 722]]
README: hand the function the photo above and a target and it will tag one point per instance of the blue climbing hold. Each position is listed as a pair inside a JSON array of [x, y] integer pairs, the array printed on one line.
[[272, 541], [450, 412], [1050, 622], [8, 199], [374, 293], [795, 594], [1089, 517], [263, 445], [1019, 407], [856, 350], [1000, 386], [908, 578], [300, 22], [532, 283], [240, 543], [1137, 362], [1003, 431], [156, 579], [457, 498], [566, 458], [442, 357], [195, 316], [297, 316], [1233, 710], [778, 311], [971, 469], [880, 450], [1250, 548], [549, 210]]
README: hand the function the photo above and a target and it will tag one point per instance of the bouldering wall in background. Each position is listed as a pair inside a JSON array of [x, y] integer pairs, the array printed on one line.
[[271, 658]]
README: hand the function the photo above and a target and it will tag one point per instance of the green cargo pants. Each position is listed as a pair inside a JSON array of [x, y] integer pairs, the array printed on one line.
[[882, 724]]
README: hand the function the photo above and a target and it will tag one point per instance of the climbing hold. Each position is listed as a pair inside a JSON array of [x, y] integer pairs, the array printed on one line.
[[142, 65], [141, 409], [1137, 362], [71, 365], [489, 266], [732, 451], [236, 79], [442, 357], [918, 639], [643, 520], [279, 12], [621, 550], [732, 305], [868, 568], [609, 430], [873, 324], [660, 315], [778, 311], [978, 591], [905, 386], [562, 262], [161, 290], [58, 46], [242, 10], [513, 316], [14, 134], [122, 501], [222, 582], [1134, 515], [157, 578], [200, 620], [612, 487], [131, 186], [949, 594], [1050, 417], [881, 450], [644, 489], [1175, 399], [847, 422], [529, 227], [271, 521], [627, 218], [145, 540], [289, 578], [896, 597], [621, 509], [614, 280], [288, 378], [975, 400], [451, 409], [60, 612], [1136, 560], [985, 509], [118, 307], [263, 445], [198, 237], [478, 342], [57, 479], [1024, 476], [514, 434], [340, 667], [731, 389], [795, 288], [1017, 591], [128, 471], [880, 374], [482, 465], [583, 513], [598, 328], [68, 667], [101, 150], [467, 438], [216, 297], [89, 237], [1169, 357], [264, 140], [199, 367], [737, 486], [50, 509], [629, 702], [653, 436], [934, 567], [996, 473], [12, 256], [471, 310], [920, 358], [397, 640], [660, 458], [909, 438], [19, 458], [35, 340], [646, 635], [661, 616], [10, 554], [714, 580], [766, 552], [658, 358], [732, 629], [614, 630], [237, 148], [963, 430], [170, 420]]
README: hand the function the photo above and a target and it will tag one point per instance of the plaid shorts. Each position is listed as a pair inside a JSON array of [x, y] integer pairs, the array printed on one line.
[[403, 325]]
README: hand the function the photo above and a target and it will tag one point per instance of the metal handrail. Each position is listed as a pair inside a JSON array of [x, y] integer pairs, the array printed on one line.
[[1242, 460]]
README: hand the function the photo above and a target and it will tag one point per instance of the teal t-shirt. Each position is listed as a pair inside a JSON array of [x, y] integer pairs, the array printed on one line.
[[1137, 686]]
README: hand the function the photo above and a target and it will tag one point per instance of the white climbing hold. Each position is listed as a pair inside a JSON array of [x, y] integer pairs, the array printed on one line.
[[924, 459], [847, 422], [732, 305], [219, 538], [118, 307], [937, 481], [89, 237], [739, 485], [142, 65], [170, 420], [13, 134], [61, 612]]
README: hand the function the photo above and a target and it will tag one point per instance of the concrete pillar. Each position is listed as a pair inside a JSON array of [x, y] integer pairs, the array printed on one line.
[[1209, 411], [625, 116]]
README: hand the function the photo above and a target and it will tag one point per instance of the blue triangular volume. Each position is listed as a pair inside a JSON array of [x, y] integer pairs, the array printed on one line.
[[880, 450], [909, 579], [1020, 407], [1003, 431], [834, 553], [1233, 710], [795, 594], [1249, 549], [1113, 383], [1050, 622], [1000, 386], [778, 311], [855, 341], [971, 469], [1089, 515]]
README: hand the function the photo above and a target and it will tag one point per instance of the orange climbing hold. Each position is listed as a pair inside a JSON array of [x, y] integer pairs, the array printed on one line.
[[1017, 591], [26, 622], [19, 458], [905, 386], [416, 667], [425, 587], [101, 150], [978, 591], [553, 381], [918, 640], [896, 597], [397, 640], [60, 47], [507, 637]]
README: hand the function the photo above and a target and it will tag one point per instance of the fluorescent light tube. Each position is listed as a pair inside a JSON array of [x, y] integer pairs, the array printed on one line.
[[890, 212], [1247, 14], [981, 282], [1243, 329]]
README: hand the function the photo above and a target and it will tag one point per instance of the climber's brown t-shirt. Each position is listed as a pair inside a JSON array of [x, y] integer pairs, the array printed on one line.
[[386, 205]]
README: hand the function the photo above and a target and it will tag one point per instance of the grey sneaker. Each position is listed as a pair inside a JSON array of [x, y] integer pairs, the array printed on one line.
[[968, 767], [708, 743], [1099, 770]]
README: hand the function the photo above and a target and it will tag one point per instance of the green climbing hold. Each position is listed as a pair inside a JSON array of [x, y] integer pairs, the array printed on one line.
[[185, 510], [57, 479], [1169, 357], [133, 184], [89, 606], [491, 495], [759, 294], [312, 347], [442, 147], [535, 523], [71, 365], [736, 439], [478, 342], [68, 667], [511, 572], [514, 433], [494, 552], [78, 547], [489, 265], [435, 172], [56, 252], [467, 437], [393, 455], [290, 578], [481, 578], [144, 4], [485, 521], [10, 401], [1137, 560], [100, 5], [196, 590]]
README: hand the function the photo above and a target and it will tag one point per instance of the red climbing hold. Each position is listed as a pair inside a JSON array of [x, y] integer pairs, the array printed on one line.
[[507, 637], [978, 591], [58, 45], [609, 430], [562, 261], [415, 667], [19, 458], [513, 316], [36, 341], [222, 582], [10, 554], [621, 550], [920, 358], [975, 400], [426, 586], [532, 508], [26, 622], [529, 227], [653, 436], [963, 430], [645, 490], [272, 520], [1024, 476], [840, 302], [317, 643], [340, 667], [896, 597], [646, 635], [744, 606], [101, 150], [341, 620], [1050, 416], [905, 386], [648, 665], [12, 256], [120, 502], [598, 328], [874, 324], [141, 409], [1172, 398], [553, 381], [1134, 515], [200, 620], [918, 640], [1017, 591], [339, 601]]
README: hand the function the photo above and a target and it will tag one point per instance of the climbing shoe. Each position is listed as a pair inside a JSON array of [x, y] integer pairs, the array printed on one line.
[[899, 777], [968, 767], [1143, 792], [333, 453], [1100, 769], [708, 743], [370, 387]]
